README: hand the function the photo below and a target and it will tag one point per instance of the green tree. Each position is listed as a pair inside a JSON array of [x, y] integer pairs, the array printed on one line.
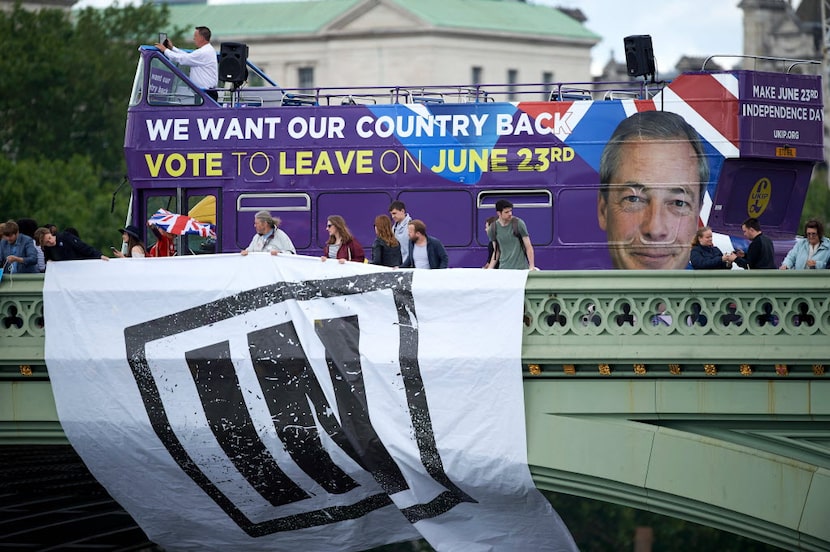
[[604, 527], [61, 192], [63, 102], [817, 202], [66, 83]]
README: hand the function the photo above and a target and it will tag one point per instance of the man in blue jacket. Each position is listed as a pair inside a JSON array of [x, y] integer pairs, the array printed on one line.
[[18, 254], [424, 251]]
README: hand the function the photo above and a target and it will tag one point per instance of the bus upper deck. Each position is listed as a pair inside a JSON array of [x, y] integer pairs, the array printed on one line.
[[450, 152]]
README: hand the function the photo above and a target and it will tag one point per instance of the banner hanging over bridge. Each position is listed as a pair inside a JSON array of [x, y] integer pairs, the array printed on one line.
[[261, 402]]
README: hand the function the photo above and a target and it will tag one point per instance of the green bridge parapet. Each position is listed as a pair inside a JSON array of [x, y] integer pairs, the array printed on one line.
[[753, 324]]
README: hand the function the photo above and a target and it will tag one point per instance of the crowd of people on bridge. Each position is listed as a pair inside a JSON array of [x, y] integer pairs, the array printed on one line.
[[401, 242], [810, 252]]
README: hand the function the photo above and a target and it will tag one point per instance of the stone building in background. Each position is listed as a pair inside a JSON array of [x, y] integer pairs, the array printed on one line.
[[65, 5], [387, 42], [777, 28]]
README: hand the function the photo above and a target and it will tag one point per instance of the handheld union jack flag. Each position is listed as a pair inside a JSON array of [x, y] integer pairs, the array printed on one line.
[[181, 224]]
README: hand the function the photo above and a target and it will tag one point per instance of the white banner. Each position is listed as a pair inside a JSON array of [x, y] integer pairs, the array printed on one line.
[[283, 403]]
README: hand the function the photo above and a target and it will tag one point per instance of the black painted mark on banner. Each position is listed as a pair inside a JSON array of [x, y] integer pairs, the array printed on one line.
[[231, 424], [340, 336], [416, 398], [288, 383], [400, 284]]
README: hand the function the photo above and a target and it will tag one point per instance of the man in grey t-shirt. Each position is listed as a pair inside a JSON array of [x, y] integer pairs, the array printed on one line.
[[514, 249]]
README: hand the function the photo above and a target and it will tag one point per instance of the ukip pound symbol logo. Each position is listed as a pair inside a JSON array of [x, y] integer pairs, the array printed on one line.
[[297, 404]]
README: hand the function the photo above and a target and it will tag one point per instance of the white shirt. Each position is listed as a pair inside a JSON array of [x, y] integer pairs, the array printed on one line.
[[204, 67]]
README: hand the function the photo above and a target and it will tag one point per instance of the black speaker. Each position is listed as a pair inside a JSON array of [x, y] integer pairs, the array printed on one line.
[[233, 57], [639, 55]]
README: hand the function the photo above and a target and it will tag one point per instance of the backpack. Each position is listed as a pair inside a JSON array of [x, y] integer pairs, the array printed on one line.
[[514, 222]]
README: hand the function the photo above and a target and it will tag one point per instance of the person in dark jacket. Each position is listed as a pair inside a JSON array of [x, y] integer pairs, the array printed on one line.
[[424, 251], [63, 246], [705, 256], [761, 251], [386, 250]]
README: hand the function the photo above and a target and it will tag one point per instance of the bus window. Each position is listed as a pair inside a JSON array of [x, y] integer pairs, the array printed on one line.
[[535, 207], [293, 210], [448, 214], [577, 222], [358, 208], [203, 208], [138, 84], [166, 88]]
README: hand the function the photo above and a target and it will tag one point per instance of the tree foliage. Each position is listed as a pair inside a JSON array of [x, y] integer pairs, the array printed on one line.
[[817, 202], [604, 527], [63, 106]]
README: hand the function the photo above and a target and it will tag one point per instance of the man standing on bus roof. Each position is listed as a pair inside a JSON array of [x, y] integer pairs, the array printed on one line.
[[204, 67], [269, 237], [509, 233], [653, 177], [400, 226]]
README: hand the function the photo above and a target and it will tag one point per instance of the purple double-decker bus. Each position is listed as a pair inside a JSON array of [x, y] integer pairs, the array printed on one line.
[[449, 153]]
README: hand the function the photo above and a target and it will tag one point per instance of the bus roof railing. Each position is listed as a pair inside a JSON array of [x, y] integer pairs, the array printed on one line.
[[269, 93], [789, 63], [439, 94]]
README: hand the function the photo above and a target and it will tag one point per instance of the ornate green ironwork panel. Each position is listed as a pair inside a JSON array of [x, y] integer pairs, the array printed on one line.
[[21, 326], [669, 323]]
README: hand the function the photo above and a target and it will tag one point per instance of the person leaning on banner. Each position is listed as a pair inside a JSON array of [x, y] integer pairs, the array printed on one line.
[[811, 252], [18, 254], [424, 251], [269, 238], [341, 245], [204, 67], [761, 251], [512, 248], [386, 249], [63, 246], [135, 247]]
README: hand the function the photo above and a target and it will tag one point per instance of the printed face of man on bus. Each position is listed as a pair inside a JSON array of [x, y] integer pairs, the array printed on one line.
[[650, 198]]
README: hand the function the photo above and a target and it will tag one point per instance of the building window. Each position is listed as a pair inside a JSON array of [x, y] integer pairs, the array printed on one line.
[[305, 77], [512, 79], [475, 77], [547, 80]]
